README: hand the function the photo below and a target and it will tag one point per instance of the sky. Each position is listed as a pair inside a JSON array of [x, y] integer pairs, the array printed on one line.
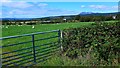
[[38, 9]]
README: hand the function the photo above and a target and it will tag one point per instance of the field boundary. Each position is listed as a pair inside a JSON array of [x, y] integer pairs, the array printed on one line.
[[12, 59]]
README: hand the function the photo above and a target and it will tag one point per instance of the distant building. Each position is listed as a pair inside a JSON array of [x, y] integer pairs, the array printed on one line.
[[45, 22], [114, 17], [64, 19]]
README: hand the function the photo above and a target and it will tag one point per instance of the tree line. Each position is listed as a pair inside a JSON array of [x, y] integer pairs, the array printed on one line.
[[62, 19]]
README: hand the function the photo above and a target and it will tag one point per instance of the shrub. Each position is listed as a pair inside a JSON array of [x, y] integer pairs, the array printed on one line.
[[103, 38]]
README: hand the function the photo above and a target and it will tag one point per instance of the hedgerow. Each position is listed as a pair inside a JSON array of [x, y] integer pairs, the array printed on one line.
[[101, 41]]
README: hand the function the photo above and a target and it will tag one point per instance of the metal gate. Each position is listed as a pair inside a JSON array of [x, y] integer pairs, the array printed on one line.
[[29, 49]]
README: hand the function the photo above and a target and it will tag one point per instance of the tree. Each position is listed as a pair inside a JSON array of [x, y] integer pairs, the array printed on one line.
[[77, 17]]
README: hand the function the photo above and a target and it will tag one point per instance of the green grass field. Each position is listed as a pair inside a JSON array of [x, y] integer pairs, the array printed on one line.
[[26, 29]]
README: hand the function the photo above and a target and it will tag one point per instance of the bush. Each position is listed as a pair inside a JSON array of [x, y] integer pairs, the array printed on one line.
[[102, 38]]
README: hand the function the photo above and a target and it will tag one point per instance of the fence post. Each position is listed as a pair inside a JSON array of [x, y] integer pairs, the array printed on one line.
[[59, 39], [33, 44]]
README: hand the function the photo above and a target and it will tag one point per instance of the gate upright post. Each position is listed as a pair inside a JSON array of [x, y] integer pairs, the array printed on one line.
[[33, 44], [59, 40]]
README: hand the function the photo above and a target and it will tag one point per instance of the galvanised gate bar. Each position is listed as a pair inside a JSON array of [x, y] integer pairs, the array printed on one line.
[[32, 53]]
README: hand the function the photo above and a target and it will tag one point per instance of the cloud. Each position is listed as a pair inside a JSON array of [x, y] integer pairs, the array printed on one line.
[[17, 12], [18, 9], [37, 12], [0, 14], [82, 6], [115, 7], [68, 0], [31, 9], [102, 7], [16, 4], [5, 0], [39, 9], [42, 4], [60, 12]]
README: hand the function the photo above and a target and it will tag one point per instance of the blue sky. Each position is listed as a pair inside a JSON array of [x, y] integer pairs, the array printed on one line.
[[36, 9]]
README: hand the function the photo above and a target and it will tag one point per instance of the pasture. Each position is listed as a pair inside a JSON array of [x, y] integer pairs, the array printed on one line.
[[58, 59], [12, 30], [15, 30]]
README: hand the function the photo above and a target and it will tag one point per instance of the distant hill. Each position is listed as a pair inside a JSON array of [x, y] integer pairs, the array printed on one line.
[[11, 19], [67, 16], [97, 14], [85, 13], [81, 14]]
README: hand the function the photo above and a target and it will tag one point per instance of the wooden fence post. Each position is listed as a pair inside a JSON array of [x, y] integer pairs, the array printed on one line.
[[59, 41]]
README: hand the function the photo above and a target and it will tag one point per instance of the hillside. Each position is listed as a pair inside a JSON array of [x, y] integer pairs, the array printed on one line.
[[67, 16]]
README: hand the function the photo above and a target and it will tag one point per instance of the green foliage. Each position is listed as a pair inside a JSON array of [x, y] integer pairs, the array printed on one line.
[[102, 37], [88, 43]]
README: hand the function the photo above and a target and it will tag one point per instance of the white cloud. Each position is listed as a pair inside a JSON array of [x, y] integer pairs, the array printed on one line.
[[82, 6], [42, 4], [0, 13], [6, 0], [115, 7], [17, 12], [98, 6], [103, 7], [37, 12], [17, 4]]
